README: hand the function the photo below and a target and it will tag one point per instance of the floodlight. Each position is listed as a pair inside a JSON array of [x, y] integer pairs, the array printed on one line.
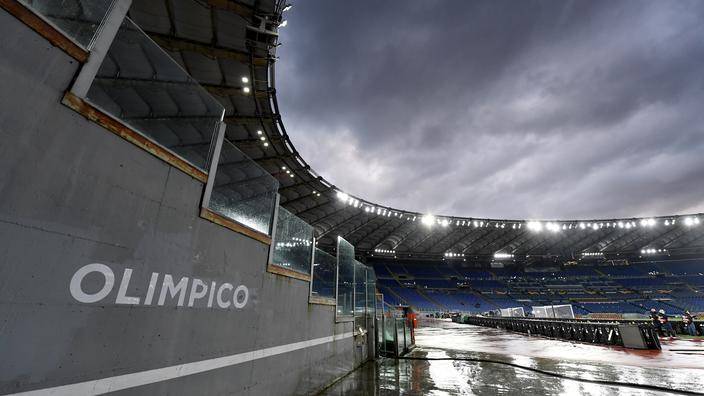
[[428, 220]]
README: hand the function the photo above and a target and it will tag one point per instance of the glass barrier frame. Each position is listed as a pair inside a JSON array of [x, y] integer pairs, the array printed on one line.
[[208, 212], [305, 271], [77, 97], [322, 300], [348, 315], [360, 295], [32, 15]]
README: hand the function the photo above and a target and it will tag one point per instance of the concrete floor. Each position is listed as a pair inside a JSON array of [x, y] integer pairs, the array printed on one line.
[[679, 366]]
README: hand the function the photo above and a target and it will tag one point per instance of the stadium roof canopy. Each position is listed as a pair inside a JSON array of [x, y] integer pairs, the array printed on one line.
[[229, 46]]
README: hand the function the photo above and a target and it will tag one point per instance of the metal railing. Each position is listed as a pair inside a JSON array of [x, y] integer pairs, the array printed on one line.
[[594, 332]]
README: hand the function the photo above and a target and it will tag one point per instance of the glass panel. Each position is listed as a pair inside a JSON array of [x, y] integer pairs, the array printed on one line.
[[371, 292], [243, 191], [345, 278], [78, 19], [360, 294], [141, 85], [400, 333], [389, 334], [409, 340], [292, 242], [324, 269], [380, 335]]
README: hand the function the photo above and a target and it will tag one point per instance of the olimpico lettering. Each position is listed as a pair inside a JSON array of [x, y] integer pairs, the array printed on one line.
[[181, 292]]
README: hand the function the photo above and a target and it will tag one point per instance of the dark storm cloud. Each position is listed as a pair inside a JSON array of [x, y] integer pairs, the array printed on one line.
[[511, 109]]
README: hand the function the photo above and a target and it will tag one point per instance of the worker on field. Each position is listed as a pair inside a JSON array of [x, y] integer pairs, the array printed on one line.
[[688, 321], [665, 324], [656, 321]]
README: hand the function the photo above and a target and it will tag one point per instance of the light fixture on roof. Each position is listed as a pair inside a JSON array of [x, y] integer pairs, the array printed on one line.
[[653, 251], [592, 254], [428, 220], [283, 168], [245, 80], [342, 196], [553, 227], [262, 138], [502, 256], [266, 144], [691, 221], [535, 226], [245, 89], [259, 132]]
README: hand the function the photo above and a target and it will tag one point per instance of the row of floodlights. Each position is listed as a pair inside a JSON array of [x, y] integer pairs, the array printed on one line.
[[384, 251], [653, 251], [245, 88], [593, 254], [288, 172], [453, 255], [296, 242], [502, 256], [430, 220], [262, 138], [356, 203], [281, 245]]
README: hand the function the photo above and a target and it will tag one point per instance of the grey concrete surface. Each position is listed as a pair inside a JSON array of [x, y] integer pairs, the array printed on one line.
[[71, 194]]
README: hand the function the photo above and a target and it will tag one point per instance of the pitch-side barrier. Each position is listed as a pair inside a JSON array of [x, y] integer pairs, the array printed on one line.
[[625, 334]]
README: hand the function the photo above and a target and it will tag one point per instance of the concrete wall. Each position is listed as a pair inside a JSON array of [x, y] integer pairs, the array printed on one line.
[[71, 194]]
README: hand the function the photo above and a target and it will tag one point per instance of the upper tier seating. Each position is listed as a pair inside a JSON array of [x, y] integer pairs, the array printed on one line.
[[683, 267], [412, 298], [419, 271], [436, 283], [381, 271], [625, 289], [624, 270]]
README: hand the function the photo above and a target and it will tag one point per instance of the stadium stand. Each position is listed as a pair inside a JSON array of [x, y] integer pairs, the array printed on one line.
[[591, 289]]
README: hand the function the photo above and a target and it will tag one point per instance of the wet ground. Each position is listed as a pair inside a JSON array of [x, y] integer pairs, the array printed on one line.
[[518, 364]]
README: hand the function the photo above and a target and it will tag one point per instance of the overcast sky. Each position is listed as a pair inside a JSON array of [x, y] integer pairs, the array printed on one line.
[[508, 109]]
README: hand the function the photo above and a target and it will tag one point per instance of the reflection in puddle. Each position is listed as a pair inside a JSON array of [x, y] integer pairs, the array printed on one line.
[[460, 377]]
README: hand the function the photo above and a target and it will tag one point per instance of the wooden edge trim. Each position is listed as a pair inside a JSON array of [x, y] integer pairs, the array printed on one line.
[[322, 301], [118, 128], [234, 226], [275, 269], [44, 29]]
